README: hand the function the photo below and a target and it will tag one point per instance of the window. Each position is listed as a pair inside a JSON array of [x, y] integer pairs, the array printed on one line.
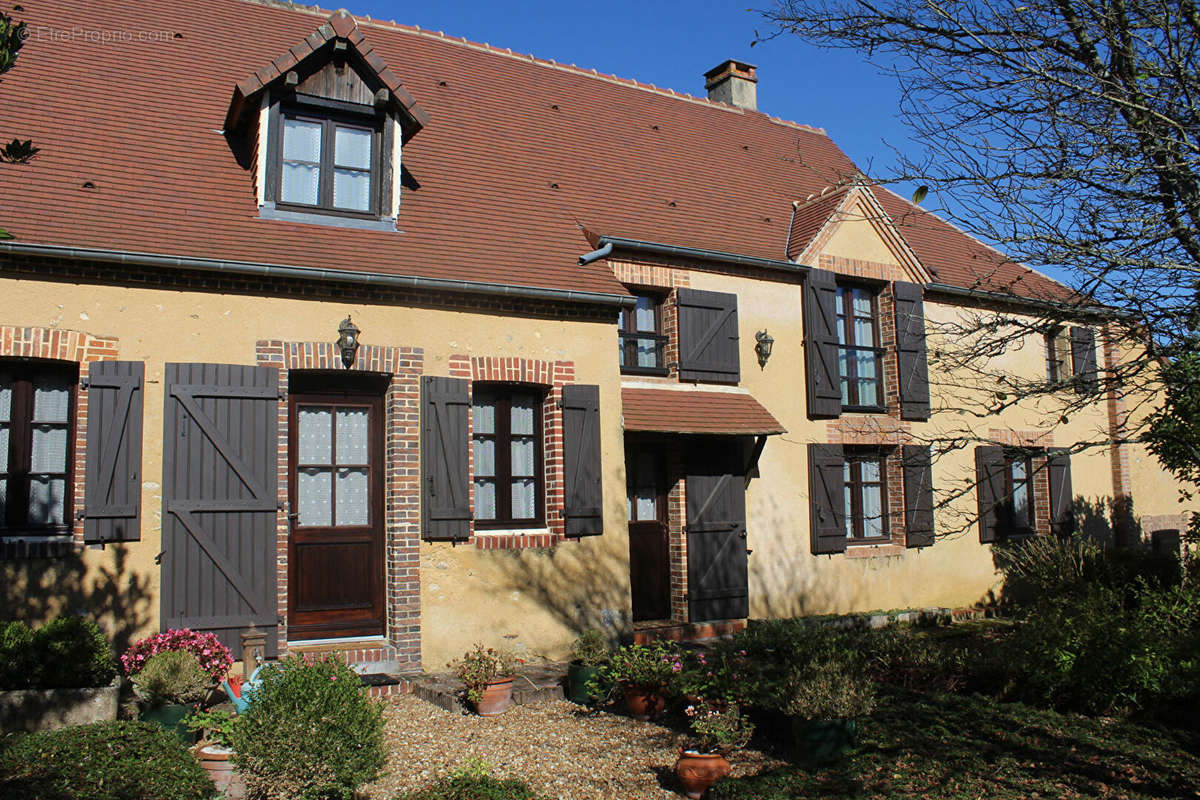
[[507, 434], [329, 161], [859, 355], [1058, 355], [865, 496], [37, 402], [641, 340], [1017, 513], [333, 463]]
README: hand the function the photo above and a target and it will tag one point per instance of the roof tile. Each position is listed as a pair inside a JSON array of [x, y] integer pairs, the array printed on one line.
[[695, 411]]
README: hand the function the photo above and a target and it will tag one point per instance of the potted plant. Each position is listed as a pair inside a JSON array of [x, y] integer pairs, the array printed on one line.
[[825, 701], [213, 656], [167, 685], [488, 675], [215, 750], [717, 729], [643, 672], [589, 652]]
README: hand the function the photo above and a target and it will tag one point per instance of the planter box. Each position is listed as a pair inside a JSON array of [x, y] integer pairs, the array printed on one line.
[[47, 709]]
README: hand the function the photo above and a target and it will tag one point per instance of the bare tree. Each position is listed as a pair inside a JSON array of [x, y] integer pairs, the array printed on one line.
[[1066, 133]]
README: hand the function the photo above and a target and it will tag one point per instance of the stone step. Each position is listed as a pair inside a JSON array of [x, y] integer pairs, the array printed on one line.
[[533, 683]]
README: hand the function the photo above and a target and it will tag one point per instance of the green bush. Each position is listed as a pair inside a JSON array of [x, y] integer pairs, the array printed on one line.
[[173, 676], [775, 649], [101, 761], [473, 781], [311, 732], [1107, 650], [915, 660], [66, 653]]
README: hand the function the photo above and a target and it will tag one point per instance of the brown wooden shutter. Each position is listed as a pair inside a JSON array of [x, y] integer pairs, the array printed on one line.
[[827, 498], [910, 350], [1062, 500], [220, 501], [112, 491], [445, 502], [989, 476], [718, 576], [583, 502], [708, 336], [918, 496], [821, 345], [1083, 360]]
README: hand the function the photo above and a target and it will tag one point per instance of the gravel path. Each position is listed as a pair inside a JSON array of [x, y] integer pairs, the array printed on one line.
[[560, 749]]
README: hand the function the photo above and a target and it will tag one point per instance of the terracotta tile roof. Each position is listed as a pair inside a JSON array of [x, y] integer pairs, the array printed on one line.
[[675, 411], [810, 217], [519, 156]]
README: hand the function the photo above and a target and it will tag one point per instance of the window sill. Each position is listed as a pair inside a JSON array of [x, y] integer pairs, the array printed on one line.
[[659, 371], [270, 212], [15, 547], [868, 550], [864, 410], [518, 539]]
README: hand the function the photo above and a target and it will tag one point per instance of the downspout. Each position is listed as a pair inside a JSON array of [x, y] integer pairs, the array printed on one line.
[[596, 255]]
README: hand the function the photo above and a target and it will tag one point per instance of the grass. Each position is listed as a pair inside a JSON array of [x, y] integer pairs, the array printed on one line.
[[959, 746]]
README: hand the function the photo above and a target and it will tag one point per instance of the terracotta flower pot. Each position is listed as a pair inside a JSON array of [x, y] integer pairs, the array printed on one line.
[[698, 771], [218, 763], [497, 697], [643, 704]]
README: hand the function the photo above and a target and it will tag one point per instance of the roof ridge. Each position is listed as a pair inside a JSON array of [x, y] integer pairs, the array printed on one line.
[[508, 52]]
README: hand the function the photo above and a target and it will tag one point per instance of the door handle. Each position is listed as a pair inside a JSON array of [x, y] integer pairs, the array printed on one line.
[[748, 551]]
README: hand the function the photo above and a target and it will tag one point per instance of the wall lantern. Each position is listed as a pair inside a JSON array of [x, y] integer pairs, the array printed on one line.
[[347, 341], [763, 347]]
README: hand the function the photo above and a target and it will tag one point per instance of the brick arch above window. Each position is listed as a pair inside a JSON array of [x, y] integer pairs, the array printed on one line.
[[81, 348]]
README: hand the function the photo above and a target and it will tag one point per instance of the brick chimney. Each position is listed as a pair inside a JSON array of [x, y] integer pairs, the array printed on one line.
[[733, 83]]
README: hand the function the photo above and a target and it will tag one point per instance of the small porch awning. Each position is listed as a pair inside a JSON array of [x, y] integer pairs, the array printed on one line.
[[699, 412]]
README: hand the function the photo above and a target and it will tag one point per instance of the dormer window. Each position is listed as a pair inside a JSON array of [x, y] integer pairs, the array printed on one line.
[[329, 163]]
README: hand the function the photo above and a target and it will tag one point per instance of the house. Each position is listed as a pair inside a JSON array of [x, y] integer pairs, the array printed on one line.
[[309, 322]]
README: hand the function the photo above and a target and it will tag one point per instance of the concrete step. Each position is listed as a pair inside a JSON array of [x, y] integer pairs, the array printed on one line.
[[533, 683]]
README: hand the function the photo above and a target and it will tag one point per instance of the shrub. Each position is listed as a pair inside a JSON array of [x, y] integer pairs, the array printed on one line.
[[213, 656], [1098, 652], [642, 666], [66, 653], [310, 733], [591, 648], [173, 676], [718, 728], [215, 724], [474, 781], [102, 761], [829, 689], [775, 649], [912, 660]]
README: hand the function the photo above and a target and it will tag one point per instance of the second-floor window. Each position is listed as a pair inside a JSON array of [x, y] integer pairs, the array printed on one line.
[[641, 339], [329, 162], [1058, 355], [859, 355]]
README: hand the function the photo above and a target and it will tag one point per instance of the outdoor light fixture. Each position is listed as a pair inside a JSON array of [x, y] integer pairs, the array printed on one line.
[[347, 341], [763, 347]]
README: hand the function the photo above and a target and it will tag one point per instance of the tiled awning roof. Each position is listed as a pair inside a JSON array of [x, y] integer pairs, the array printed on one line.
[[675, 411]]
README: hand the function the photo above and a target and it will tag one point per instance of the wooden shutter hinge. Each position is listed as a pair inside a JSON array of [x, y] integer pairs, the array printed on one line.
[[84, 383]]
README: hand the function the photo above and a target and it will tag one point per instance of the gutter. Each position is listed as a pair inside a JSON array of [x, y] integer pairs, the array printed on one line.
[[999, 297], [703, 255], [378, 279]]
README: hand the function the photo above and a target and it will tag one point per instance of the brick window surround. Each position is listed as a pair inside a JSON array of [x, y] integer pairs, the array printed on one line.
[[402, 517], [549, 376], [69, 346]]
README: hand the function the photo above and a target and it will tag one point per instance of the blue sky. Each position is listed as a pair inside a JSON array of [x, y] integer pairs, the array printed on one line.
[[672, 44]]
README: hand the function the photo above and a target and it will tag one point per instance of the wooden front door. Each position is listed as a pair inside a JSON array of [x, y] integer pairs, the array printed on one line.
[[649, 551], [335, 549]]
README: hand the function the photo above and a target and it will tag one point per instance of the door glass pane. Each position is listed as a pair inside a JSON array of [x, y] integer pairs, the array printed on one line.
[[353, 503], [485, 458], [352, 148], [5, 399], [352, 435], [522, 458], [49, 449], [352, 189], [51, 400], [315, 435], [300, 183], [3, 453], [523, 506], [522, 415], [46, 501], [301, 140], [647, 505], [314, 496], [485, 499], [872, 511], [484, 414]]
